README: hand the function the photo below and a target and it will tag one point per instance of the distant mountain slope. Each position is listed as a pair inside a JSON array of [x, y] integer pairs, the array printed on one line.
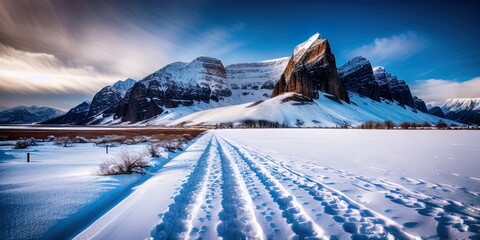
[[294, 110], [465, 110], [27, 115]]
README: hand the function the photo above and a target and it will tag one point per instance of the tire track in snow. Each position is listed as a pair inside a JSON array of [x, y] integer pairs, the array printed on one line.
[[301, 223], [356, 219], [177, 220], [267, 211], [238, 219]]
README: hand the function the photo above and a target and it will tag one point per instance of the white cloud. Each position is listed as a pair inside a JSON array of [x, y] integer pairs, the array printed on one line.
[[26, 72], [433, 90], [396, 47]]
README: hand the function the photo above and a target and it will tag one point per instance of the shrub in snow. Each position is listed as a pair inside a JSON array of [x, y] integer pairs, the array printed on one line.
[[389, 124], [124, 163], [51, 138], [80, 139], [405, 125], [141, 139], [24, 143], [108, 139], [372, 125], [154, 149], [62, 141], [172, 146], [441, 125]]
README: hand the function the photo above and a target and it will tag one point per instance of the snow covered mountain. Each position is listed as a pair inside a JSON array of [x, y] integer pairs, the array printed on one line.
[[175, 93], [26, 115], [123, 86], [391, 88], [465, 110], [103, 105], [294, 110], [357, 76], [73, 116]]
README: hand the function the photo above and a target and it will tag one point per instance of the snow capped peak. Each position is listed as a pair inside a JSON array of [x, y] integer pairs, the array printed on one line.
[[378, 69], [354, 64], [458, 104], [123, 86], [302, 47]]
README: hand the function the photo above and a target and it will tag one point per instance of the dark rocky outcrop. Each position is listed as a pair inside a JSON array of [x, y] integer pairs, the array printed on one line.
[[177, 84], [311, 68], [398, 90], [420, 104], [104, 99], [436, 111], [357, 76]]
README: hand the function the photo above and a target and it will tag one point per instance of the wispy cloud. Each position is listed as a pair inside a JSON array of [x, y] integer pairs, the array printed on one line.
[[396, 47], [433, 90], [26, 72]]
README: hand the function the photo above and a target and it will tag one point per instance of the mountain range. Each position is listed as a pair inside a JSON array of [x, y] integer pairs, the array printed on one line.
[[28, 115], [306, 89]]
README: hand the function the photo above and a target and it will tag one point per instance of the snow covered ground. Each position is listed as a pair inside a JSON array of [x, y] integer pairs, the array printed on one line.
[[58, 192], [322, 112], [297, 183]]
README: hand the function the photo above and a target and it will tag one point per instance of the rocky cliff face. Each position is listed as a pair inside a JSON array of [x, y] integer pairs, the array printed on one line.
[[255, 76], [420, 104], [311, 68], [74, 116], [357, 76], [104, 99], [178, 84], [398, 90]]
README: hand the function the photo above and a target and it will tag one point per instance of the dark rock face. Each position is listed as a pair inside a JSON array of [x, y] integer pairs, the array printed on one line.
[[103, 100], [357, 76], [202, 80], [436, 111], [311, 68], [74, 116], [398, 89], [420, 104]]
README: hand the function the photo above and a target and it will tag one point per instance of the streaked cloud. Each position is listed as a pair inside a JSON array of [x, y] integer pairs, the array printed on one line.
[[26, 72], [396, 47], [433, 90]]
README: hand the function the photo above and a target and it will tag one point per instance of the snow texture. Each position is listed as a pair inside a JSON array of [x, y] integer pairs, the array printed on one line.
[[322, 112]]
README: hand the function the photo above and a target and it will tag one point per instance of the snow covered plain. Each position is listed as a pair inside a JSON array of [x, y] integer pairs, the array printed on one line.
[[58, 192], [304, 183]]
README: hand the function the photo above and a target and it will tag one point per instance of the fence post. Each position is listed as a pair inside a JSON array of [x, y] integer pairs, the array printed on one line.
[[106, 148], [28, 157]]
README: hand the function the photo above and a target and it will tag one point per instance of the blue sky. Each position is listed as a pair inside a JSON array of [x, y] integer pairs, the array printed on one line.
[[59, 53]]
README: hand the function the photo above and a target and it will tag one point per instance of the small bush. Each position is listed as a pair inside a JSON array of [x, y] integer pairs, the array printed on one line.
[[441, 125], [372, 125], [405, 125], [154, 149], [125, 163], [389, 124], [24, 143], [62, 141]]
